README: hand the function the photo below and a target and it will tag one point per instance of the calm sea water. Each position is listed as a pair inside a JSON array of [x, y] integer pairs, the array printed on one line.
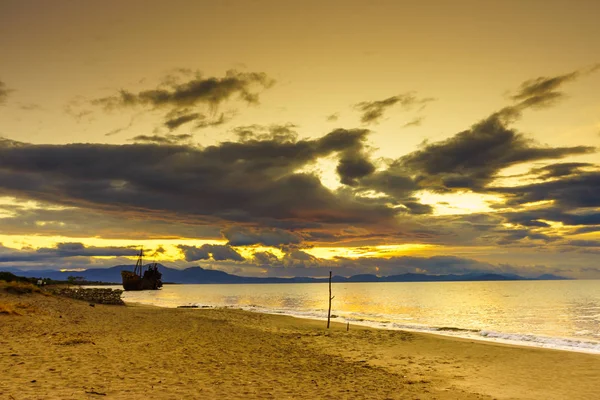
[[555, 314]]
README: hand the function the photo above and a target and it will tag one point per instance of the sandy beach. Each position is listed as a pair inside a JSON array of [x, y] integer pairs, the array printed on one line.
[[59, 348]]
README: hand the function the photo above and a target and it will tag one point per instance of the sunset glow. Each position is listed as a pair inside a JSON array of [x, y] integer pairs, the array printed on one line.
[[255, 137]]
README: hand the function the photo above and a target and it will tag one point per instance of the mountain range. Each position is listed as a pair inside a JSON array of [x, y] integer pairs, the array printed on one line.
[[205, 276]]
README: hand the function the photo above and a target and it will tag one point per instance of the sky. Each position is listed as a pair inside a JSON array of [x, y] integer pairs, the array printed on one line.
[[270, 138]]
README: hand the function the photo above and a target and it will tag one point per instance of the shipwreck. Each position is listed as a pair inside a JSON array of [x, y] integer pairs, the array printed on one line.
[[142, 279]]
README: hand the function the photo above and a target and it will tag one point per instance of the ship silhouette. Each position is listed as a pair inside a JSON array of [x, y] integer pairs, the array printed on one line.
[[140, 279]]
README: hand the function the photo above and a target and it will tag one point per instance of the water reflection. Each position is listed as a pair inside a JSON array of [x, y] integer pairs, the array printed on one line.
[[553, 308], [584, 315]]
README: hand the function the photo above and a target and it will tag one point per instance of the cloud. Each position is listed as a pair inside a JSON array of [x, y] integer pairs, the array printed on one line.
[[74, 249], [255, 190], [276, 132], [254, 182], [543, 91], [4, 92], [301, 263], [472, 158], [512, 236], [352, 167], [468, 160], [584, 243], [414, 122], [168, 139], [63, 250], [180, 98], [372, 111], [206, 122], [177, 118], [265, 258], [119, 130], [539, 93], [535, 217], [333, 117], [47, 220], [574, 191], [211, 91], [559, 170], [587, 229], [242, 236], [206, 251]]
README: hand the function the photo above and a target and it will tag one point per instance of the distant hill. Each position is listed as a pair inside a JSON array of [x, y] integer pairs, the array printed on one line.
[[207, 276]]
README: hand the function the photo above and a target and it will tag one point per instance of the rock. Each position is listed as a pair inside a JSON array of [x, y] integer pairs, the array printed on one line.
[[92, 296]]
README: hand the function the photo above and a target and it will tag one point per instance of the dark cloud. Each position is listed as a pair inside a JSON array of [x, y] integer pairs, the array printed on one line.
[[414, 207], [587, 229], [395, 181], [542, 91], [254, 190], [333, 117], [559, 170], [372, 111], [169, 139], [177, 118], [534, 217], [250, 182], [242, 236], [472, 158], [352, 167], [206, 251], [574, 191], [208, 122], [584, 243], [211, 91], [300, 259], [279, 133], [182, 99], [513, 236], [74, 249], [265, 258], [63, 250], [469, 160], [78, 222]]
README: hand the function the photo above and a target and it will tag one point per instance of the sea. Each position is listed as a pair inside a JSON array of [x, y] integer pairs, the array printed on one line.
[[563, 315]]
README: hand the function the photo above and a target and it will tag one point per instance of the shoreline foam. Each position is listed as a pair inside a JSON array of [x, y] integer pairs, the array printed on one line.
[[484, 336]]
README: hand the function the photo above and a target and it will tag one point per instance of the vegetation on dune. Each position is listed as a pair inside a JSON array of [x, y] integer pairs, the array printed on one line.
[[16, 287], [14, 308], [8, 309], [8, 277]]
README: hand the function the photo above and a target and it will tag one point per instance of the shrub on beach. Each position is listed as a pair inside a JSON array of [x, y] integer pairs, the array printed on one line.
[[20, 288], [14, 308], [8, 277], [8, 309]]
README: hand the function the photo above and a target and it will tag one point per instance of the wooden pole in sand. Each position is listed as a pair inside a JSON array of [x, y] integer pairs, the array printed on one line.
[[330, 298]]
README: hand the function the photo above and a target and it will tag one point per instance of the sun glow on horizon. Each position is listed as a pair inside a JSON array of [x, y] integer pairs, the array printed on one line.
[[459, 203], [382, 251]]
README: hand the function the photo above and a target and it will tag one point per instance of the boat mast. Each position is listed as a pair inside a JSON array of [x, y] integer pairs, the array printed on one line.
[[139, 263]]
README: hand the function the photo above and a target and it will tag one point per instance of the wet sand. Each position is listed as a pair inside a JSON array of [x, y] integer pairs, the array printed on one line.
[[61, 348]]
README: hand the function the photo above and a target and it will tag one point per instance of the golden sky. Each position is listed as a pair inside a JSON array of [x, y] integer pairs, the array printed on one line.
[[290, 138]]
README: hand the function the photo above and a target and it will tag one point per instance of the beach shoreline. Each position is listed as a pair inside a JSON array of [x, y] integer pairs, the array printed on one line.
[[63, 348], [570, 344]]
